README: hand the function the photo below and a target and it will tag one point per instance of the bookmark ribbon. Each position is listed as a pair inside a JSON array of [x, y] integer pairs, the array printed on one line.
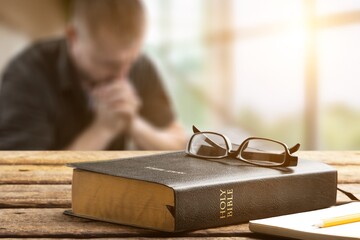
[[348, 194]]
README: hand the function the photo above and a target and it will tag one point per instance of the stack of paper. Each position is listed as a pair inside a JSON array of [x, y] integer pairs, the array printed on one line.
[[302, 225]]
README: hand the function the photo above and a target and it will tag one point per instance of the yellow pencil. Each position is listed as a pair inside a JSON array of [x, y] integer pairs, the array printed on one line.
[[338, 220]]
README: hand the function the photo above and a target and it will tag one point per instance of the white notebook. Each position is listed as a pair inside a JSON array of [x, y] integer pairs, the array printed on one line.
[[301, 225]]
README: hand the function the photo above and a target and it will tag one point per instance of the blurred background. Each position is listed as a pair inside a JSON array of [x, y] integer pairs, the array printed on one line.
[[281, 69]]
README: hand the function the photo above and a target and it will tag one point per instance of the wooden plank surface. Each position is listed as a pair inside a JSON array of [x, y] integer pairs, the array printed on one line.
[[59, 174], [55, 196], [35, 174], [63, 157], [35, 189], [35, 196], [53, 223], [332, 157]]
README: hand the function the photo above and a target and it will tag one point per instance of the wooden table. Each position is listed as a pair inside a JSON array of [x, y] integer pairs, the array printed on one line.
[[35, 189]]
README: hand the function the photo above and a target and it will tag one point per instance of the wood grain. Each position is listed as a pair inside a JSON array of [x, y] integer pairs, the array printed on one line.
[[35, 189], [35, 196], [332, 157], [55, 196], [64, 157], [53, 223], [35, 174], [59, 174], [348, 174]]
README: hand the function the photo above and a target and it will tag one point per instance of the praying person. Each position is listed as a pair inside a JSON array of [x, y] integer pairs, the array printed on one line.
[[94, 89]]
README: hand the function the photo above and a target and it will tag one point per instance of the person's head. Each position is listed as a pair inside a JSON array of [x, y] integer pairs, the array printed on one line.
[[105, 37]]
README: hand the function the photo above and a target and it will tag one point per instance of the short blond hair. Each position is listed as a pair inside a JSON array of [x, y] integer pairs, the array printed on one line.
[[125, 18]]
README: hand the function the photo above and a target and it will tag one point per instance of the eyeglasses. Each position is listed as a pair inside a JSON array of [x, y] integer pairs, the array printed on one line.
[[254, 150]]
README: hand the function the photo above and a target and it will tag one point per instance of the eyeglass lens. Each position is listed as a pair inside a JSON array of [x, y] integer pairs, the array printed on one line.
[[208, 145], [263, 152]]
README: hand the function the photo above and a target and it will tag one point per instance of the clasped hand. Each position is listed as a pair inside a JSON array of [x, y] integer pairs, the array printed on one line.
[[116, 105]]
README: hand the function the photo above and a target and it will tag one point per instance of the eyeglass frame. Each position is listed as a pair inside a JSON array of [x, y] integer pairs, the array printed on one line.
[[289, 161]]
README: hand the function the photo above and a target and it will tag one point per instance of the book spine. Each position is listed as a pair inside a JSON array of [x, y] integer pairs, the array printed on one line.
[[236, 202]]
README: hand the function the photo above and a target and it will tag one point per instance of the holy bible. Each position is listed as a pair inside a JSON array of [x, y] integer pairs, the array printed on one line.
[[175, 192]]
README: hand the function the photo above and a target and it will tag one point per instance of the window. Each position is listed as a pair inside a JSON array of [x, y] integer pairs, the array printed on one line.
[[275, 68]]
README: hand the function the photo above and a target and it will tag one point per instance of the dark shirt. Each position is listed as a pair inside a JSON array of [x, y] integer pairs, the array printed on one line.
[[44, 107]]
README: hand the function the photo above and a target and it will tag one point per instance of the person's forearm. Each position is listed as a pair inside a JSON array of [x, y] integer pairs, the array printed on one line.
[[148, 137], [95, 137]]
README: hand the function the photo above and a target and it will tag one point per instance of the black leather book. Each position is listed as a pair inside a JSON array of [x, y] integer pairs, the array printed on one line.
[[175, 192]]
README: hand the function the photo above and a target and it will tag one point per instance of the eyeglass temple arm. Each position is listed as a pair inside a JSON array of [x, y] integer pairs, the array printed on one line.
[[195, 129], [294, 148]]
